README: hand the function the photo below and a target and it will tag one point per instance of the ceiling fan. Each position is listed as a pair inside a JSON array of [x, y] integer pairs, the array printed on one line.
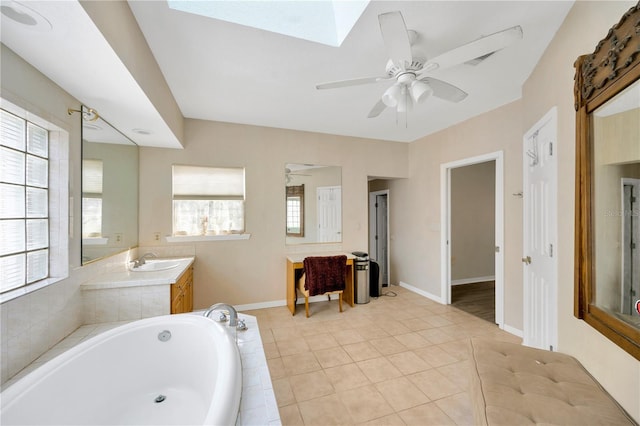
[[288, 173], [407, 67]]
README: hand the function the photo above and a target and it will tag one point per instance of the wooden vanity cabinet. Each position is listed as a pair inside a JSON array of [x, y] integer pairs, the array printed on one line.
[[182, 293]]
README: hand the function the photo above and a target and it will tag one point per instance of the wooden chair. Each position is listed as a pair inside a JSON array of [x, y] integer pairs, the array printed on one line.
[[325, 275], [305, 293]]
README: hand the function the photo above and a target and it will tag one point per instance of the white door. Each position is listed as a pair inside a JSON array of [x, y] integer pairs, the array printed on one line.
[[329, 214], [540, 233], [630, 246]]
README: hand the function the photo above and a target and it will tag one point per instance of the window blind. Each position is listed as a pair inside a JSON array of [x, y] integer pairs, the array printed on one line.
[[92, 176], [195, 182]]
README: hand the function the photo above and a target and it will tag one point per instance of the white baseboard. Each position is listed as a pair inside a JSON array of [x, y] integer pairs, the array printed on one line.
[[422, 292], [276, 303], [260, 305], [513, 330], [473, 280]]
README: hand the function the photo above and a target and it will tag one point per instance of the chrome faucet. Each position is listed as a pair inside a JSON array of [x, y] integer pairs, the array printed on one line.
[[233, 314], [141, 260]]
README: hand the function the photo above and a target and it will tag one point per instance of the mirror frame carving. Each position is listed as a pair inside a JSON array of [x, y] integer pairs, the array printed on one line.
[[613, 66]]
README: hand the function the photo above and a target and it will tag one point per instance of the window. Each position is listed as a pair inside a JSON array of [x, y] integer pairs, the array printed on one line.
[[24, 211], [91, 198], [327, 22], [208, 201], [295, 211]]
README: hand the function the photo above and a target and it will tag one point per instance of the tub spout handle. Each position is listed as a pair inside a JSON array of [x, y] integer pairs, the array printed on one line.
[[233, 314], [241, 325]]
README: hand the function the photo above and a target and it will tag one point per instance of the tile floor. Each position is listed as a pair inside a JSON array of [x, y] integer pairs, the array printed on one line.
[[394, 361]]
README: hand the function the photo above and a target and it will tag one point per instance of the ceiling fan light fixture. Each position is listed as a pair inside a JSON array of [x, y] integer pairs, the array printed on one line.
[[404, 102], [391, 96], [420, 90]]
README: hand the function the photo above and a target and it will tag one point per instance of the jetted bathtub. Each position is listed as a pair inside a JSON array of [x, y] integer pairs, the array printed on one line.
[[167, 370]]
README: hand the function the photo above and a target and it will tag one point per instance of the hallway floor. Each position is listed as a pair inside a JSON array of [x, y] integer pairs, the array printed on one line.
[[394, 361], [478, 299]]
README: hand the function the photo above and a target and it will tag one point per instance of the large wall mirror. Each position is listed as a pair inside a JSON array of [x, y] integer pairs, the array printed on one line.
[[109, 189], [313, 203], [608, 185]]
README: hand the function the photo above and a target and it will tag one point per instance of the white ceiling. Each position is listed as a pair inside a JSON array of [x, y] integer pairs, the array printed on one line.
[[227, 72]]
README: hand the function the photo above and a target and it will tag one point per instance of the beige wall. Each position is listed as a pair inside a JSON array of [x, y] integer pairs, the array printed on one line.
[[378, 185], [473, 216], [551, 84], [415, 202], [624, 129], [253, 271]]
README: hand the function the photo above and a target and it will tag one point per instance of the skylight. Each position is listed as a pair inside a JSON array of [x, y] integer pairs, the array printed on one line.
[[324, 21]]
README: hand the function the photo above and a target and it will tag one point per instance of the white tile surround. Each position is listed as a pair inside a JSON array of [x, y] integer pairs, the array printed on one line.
[[32, 324], [122, 295], [258, 404], [125, 304]]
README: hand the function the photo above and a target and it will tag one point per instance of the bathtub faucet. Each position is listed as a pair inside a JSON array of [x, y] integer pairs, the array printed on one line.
[[233, 314]]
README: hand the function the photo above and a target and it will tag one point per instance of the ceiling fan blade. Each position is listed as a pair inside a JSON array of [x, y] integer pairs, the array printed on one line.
[[396, 38], [353, 82], [476, 49], [377, 109], [444, 90]]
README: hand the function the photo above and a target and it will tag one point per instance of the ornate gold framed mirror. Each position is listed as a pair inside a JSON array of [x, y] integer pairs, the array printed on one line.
[[607, 238]]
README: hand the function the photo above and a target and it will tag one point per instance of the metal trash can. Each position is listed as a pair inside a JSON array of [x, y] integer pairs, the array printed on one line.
[[375, 283], [361, 277]]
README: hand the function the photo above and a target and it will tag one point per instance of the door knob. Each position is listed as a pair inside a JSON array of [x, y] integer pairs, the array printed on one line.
[[526, 260]]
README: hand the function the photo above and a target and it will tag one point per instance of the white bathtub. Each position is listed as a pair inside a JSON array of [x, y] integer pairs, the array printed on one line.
[[116, 377]]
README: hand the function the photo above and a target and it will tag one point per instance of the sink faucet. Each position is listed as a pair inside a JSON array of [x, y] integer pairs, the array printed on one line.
[[233, 314], [141, 260]]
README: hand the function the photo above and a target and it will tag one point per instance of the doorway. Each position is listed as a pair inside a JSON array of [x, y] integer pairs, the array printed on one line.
[[630, 246], [379, 232], [497, 256], [472, 239]]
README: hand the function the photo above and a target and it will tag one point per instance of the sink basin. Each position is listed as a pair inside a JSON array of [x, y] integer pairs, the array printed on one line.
[[153, 265]]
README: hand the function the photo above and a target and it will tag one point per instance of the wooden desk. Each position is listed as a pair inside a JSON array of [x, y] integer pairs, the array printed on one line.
[[294, 272]]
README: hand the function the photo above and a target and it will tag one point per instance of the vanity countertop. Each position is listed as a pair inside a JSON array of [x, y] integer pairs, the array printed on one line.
[[126, 278], [299, 257]]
